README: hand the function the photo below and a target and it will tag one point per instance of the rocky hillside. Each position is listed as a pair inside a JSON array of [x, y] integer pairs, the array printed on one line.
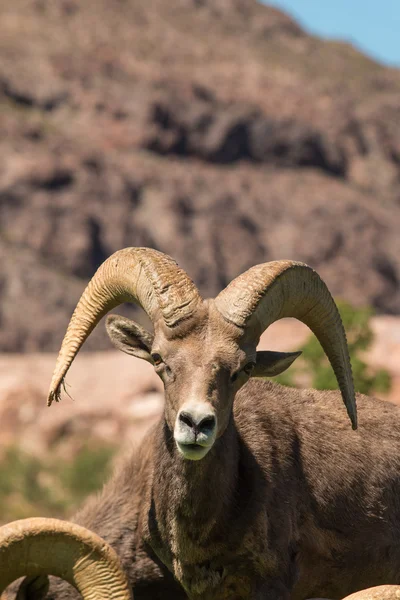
[[214, 130]]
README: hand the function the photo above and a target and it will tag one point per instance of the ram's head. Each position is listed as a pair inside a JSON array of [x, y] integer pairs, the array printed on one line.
[[205, 350]]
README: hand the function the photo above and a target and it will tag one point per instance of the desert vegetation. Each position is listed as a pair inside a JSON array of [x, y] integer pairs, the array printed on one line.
[[312, 367], [51, 485]]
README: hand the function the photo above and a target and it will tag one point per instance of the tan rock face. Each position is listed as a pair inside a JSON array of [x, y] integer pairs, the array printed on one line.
[[130, 127], [115, 399]]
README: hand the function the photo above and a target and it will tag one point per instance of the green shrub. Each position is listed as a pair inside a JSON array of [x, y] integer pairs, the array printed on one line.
[[51, 486], [87, 472], [314, 363]]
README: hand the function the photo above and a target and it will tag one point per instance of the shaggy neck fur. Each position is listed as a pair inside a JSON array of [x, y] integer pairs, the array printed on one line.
[[193, 504]]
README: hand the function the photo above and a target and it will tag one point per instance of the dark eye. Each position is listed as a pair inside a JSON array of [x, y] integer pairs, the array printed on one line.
[[157, 359], [249, 367]]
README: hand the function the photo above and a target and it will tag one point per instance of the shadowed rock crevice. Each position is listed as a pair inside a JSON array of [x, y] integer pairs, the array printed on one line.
[[55, 181], [25, 99], [226, 134]]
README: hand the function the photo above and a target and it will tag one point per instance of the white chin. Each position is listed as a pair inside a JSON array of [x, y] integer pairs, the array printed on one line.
[[193, 451]]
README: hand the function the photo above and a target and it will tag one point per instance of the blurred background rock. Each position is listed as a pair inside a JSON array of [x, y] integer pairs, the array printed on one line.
[[217, 131]]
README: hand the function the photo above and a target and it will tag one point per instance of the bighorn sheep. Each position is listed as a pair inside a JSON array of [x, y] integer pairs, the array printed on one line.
[[37, 547], [245, 489]]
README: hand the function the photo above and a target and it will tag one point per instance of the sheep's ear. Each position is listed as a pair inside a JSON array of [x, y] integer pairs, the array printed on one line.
[[269, 364], [31, 588], [128, 336]]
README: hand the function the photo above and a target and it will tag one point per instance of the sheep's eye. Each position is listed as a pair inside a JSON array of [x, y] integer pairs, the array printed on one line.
[[157, 359], [234, 377], [249, 367]]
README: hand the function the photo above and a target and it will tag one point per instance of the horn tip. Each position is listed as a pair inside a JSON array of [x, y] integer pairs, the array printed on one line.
[[54, 395], [353, 418]]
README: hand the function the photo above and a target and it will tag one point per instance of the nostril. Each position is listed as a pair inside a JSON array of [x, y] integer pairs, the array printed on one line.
[[198, 425], [207, 424], [187, 420]]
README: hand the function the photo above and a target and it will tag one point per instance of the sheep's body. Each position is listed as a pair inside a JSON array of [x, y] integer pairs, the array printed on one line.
[[245, 490], [290, 503]]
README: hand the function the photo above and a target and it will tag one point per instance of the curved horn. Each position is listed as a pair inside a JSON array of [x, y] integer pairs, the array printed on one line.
[[140, 275], [382, 592], [34, 547], [278, 289]]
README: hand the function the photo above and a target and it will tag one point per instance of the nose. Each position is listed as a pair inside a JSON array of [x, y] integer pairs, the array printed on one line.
[[204, 424], [195, 429]]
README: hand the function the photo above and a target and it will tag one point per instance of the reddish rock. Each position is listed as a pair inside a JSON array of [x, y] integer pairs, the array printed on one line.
[[124, 125]]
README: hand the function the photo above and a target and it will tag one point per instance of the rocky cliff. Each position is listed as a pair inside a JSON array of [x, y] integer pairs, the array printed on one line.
[[216, 131]]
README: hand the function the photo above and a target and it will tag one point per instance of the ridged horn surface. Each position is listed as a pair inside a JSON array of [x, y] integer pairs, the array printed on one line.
[[278, 289], [140, 275], [382, 592], [34, 547]]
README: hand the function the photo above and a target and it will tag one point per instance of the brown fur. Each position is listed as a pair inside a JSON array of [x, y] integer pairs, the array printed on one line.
[[289, 502]]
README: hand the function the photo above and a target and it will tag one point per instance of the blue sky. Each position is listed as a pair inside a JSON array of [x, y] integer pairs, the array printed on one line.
[[371, 25]]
